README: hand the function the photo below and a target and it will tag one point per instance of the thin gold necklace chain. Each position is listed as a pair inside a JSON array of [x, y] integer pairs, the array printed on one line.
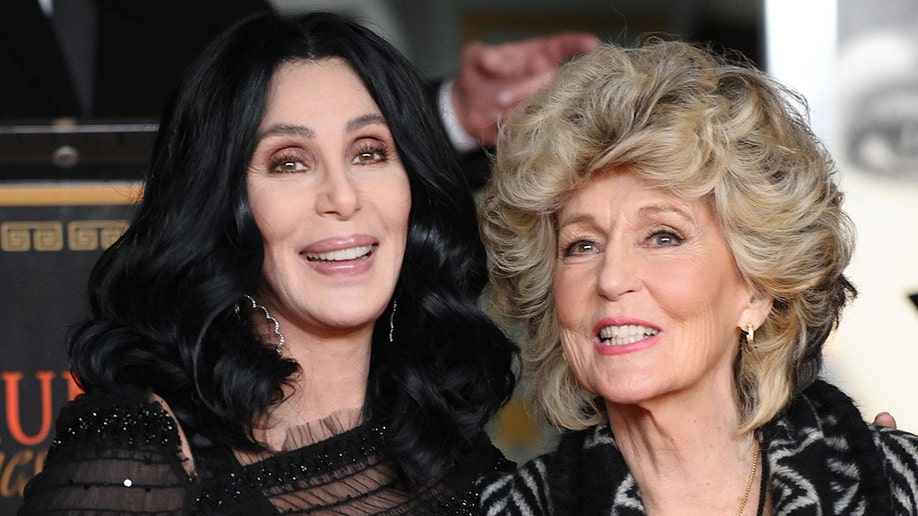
[[755, 463]]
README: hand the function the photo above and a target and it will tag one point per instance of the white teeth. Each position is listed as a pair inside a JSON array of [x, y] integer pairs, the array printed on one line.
[[621, 335], [341, 254]]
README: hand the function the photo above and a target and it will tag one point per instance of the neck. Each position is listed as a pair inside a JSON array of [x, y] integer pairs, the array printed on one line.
[[686, 454], [334, 375]]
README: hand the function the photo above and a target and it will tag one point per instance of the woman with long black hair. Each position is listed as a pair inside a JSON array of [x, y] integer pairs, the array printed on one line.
[[290, 324]]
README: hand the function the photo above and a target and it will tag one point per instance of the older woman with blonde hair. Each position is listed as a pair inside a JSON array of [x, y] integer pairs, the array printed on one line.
[[668, 233]]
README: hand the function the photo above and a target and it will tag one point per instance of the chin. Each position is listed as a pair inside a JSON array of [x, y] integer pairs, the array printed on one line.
[[628, 394]]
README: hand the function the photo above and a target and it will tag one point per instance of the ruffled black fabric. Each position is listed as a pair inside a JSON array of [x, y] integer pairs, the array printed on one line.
[[120, 454]]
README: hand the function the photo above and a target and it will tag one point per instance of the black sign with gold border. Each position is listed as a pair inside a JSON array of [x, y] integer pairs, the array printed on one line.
[[51, 234]]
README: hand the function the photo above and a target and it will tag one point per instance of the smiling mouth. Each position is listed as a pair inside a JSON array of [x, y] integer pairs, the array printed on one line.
[[627, 334], [342, 255]]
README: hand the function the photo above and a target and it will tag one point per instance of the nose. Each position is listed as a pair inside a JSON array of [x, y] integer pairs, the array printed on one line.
[[618, 274], [338, 195]]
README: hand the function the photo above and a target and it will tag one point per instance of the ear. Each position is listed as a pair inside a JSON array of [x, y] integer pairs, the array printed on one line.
[[756, 310]]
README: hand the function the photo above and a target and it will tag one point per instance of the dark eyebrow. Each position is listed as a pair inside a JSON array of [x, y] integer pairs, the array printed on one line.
[[307, 132], [365, 120], [287, 130]]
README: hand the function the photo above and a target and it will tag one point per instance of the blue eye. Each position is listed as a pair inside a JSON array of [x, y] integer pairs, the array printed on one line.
[[579, 247], [665, 238]]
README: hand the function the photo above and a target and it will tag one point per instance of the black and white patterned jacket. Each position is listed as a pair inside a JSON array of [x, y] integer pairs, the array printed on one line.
[[823, 460]]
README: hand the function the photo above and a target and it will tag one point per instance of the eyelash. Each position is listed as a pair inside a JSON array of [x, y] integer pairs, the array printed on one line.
[[277, 163], [652, 236], [666, 232], [373, 148], [568, 249]]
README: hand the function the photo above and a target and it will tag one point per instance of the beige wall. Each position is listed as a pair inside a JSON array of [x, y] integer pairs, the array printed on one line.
[[857, 63]]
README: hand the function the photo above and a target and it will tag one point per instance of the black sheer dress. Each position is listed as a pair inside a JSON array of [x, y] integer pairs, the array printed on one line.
[[121, 454]]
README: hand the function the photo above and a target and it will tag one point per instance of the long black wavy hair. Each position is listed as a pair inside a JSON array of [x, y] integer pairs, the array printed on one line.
[[163, 296]]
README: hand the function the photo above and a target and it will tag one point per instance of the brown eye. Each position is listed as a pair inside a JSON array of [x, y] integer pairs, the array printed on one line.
[[288, 166], [370, 153], [368, 157]]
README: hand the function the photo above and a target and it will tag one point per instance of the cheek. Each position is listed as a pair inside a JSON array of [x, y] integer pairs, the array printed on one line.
[[577, 355], [273, 224], [685, 288], [272, 244], [568, 291], [278, 218], [393, 219], [573, 315], [705, 304], [401, 214], [264, 207], [397, 208]]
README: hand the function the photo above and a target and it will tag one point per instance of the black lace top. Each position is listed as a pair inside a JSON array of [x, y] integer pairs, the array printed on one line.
[[120, 454]]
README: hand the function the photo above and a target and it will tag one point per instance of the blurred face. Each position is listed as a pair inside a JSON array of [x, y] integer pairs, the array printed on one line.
[[331, 199], [648, 298]]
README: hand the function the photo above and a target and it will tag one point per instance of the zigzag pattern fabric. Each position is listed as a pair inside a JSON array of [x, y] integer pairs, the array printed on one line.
[[822, 457]]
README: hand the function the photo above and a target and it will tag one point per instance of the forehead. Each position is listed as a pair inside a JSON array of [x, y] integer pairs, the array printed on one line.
[[326, 83], [624, 196], [621, 188], [312, 70]]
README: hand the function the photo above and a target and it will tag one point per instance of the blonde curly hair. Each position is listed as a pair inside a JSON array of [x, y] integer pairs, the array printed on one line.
[[692, 122]]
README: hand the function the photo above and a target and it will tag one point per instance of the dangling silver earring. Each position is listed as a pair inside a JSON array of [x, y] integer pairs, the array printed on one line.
[[392, 321], [280, 336], [750, 335]]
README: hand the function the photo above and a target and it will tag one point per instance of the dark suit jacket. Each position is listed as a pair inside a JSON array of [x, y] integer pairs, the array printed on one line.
[[142, 51]]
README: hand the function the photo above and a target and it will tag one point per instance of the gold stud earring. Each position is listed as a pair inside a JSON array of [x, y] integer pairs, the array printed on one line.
[[750, 335]]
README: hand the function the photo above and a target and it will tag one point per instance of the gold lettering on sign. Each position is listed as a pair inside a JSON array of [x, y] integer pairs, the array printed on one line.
[[15, 237], [89, 235], [48, 235], [45, 235]]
